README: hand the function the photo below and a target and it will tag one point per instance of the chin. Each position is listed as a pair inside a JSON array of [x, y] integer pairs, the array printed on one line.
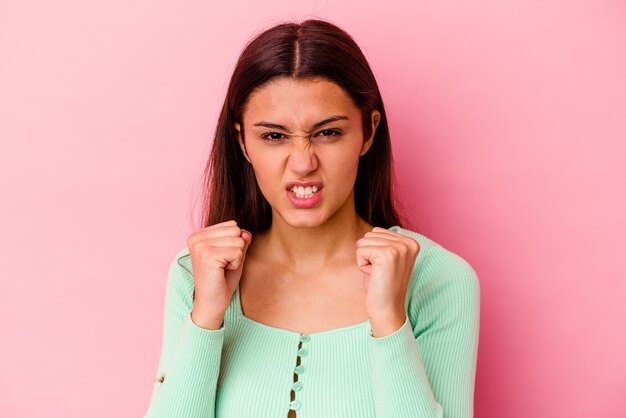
[[304, 218]]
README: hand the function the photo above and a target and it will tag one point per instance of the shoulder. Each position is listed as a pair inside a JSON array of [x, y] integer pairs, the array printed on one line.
[[182, 259], [442, 282], [180, 284]]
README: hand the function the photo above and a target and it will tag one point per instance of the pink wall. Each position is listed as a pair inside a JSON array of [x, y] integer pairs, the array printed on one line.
[[508, 122]]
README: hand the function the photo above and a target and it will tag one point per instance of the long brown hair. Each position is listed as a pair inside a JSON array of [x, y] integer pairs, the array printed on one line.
[[313, 48]]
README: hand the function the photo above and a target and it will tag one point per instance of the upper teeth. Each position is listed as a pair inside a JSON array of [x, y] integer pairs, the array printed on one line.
[[304, 191]]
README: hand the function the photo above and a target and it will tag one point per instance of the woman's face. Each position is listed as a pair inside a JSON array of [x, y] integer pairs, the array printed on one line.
[[305, 130]]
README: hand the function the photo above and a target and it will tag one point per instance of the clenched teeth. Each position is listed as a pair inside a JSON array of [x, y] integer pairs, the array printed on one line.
[[304, 192]]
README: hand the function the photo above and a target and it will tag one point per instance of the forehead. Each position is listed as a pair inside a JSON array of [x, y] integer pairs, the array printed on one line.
[[289, 100]]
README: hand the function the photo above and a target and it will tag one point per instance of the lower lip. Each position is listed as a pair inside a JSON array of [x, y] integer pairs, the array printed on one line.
[[302, 202]]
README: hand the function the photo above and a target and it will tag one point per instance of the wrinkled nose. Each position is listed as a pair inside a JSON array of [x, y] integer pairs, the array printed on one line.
[[302, 158]]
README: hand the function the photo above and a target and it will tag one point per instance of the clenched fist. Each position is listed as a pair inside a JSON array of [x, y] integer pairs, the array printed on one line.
[[217, 255], [386, 259]]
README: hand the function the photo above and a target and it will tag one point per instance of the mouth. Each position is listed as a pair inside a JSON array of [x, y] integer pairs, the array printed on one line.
[[304, 188], [304, 197], [305, 192]]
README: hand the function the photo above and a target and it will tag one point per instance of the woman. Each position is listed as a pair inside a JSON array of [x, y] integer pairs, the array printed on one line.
[[303, 295]]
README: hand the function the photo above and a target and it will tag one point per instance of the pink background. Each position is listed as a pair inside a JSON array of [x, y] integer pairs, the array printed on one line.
[[508, 126]]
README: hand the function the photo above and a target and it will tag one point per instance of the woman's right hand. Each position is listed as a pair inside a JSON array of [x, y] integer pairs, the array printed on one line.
[[217, 256]]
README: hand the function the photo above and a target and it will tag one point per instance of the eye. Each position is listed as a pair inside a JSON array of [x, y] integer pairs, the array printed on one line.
[[268, 137], [330, 132]]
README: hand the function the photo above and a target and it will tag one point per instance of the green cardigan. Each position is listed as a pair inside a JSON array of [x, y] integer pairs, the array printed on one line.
[[424, 369]]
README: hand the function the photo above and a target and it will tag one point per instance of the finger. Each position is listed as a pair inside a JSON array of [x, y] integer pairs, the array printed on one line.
[[388, 235], [229, 242], [380, 241], [230, 257], [380, 230], [219, 225], [224, 231], [367, 255], [229, 228], [247, 236]]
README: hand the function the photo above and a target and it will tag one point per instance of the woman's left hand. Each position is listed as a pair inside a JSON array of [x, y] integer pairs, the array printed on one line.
[[386, 259]]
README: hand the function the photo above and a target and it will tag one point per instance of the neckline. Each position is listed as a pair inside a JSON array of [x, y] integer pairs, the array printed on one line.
[[239, 311]]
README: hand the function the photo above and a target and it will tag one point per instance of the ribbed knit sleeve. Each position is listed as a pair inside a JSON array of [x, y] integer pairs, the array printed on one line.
[[426, 368], [190, 355]]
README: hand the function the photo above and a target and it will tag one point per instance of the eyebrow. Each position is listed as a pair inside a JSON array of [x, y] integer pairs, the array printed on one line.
[[314, 127]]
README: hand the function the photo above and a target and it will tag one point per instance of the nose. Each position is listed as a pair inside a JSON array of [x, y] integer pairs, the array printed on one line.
[[302, 158]]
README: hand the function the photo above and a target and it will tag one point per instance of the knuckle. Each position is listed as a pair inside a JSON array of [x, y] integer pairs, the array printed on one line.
[[191, 242]]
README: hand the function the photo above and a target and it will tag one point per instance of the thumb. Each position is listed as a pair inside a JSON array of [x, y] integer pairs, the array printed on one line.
[[237, 264], [247, 236]]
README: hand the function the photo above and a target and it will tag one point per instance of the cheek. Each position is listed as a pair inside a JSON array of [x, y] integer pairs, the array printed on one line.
[[262, 168], [340, 169], [266, 174], [342, 160], [263, 159]]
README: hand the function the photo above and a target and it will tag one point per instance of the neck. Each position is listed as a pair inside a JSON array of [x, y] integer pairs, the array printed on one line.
[[304, 251]]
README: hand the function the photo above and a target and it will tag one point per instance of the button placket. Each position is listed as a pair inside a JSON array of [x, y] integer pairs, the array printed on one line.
[[297, 386]]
